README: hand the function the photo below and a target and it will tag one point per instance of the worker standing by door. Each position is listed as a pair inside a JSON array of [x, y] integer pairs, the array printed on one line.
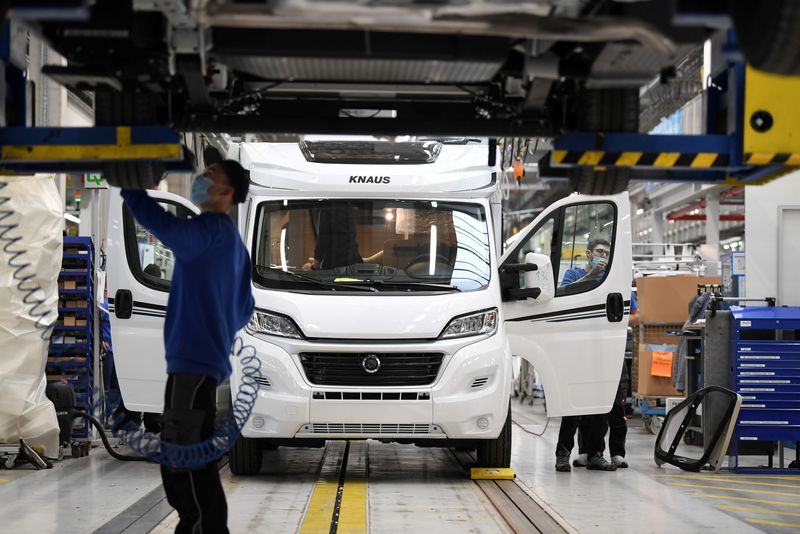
[[209, 301], [593, 427]]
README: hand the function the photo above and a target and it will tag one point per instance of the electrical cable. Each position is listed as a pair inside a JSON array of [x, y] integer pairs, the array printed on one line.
[[100, 430], [539, 435]]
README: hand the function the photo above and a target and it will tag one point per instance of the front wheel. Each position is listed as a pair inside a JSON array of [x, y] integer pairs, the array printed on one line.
[[246, 457], [494, 453]]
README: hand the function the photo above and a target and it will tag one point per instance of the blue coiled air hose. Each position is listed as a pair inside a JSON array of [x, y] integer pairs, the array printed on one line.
[[224, 436], [148, 445]]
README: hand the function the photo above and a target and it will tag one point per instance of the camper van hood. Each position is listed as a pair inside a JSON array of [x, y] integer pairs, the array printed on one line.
[[283, 167], [373, 316]]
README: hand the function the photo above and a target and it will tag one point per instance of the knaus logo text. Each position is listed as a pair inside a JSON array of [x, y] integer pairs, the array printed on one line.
[[370, 179]]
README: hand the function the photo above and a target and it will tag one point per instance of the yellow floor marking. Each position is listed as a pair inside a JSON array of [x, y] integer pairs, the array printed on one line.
[[773, 523], [793, 478], [732, 480], [756, 510], [320, 509], [3, 480], [747, 499], [353, 511], [748, 490]]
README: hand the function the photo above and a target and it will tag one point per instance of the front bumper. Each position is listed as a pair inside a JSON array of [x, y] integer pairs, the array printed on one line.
[[468, 400]]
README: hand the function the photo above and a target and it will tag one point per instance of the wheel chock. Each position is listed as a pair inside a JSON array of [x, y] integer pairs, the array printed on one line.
[[492, 473]]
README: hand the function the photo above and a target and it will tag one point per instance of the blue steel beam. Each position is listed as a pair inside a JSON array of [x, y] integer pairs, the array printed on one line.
[[694, 152]]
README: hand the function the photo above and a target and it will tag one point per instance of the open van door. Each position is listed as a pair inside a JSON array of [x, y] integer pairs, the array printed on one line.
[[565, 309], [139, 270]]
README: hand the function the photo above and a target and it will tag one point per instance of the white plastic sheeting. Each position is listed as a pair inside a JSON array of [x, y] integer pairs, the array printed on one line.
[[35, 206]]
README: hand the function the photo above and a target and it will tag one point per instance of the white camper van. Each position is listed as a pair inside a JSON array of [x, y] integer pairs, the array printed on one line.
[[385, 308]]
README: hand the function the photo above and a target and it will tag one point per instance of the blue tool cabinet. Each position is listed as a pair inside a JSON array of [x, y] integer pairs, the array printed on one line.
[[71, 353], [766, 372]]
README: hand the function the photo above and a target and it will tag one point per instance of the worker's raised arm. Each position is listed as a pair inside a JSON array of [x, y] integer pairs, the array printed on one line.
[[185, 237]]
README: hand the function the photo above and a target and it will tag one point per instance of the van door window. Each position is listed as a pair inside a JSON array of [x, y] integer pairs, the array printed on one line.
[[540, 242], [586, 247], [151, 262]]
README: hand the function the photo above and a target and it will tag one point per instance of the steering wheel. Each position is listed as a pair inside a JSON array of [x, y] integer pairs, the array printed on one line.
[[411, 268]]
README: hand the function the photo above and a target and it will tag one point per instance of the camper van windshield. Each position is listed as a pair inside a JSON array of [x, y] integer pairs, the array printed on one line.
[[371, 245]]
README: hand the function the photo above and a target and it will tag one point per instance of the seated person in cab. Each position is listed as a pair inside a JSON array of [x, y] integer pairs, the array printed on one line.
[[336, 240], [597, 253], [337, 245]]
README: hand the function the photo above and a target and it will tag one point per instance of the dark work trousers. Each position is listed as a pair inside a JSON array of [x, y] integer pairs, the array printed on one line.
[[197, 495], [593, 430], [617, 425]]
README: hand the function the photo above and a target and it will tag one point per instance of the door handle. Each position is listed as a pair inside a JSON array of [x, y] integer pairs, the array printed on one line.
[[615, 307], [123, 304]]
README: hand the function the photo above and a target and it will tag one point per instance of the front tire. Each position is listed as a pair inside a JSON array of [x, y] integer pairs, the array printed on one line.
[[246, 457], [495, 453]]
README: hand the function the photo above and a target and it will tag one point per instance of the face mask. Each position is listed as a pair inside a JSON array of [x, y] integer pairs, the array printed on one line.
[[199, 191], [598, 260]]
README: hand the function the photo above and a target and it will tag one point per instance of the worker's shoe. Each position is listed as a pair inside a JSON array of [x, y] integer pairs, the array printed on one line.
[[598, 463], [619, 461], [562, 464], [581, 460]]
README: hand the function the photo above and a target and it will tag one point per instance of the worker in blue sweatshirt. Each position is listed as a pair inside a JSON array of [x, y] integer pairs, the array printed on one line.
[[209, 302]]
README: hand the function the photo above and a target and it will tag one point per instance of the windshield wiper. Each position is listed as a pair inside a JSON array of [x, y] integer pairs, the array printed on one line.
[[317, 281], [425, 285]]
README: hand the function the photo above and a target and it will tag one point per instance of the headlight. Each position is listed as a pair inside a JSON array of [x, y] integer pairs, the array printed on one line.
[[475, 324], [264, 322]]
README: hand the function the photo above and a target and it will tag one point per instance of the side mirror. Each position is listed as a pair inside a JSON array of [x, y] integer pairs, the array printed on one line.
[[541, 278], [538, 275]]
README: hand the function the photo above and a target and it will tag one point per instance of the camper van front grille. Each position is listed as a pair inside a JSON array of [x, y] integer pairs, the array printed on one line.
[[348, 369]]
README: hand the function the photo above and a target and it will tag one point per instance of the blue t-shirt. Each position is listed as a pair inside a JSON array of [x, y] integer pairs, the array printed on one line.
[[572, 275], [210, 298], [634, 303]]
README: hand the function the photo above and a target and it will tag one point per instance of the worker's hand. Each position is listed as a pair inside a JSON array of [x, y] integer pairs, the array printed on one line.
[[599, 265], [105, 345], [312, 265]]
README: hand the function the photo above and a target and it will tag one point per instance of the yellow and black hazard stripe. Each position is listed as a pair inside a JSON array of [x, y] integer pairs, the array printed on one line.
[[701, 160], [770, 158]]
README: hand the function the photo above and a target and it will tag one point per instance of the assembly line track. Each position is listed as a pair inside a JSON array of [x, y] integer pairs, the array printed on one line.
[[338, 500], [515, 504]]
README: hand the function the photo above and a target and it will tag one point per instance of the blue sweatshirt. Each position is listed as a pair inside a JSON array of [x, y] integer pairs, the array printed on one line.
[[210, 298]]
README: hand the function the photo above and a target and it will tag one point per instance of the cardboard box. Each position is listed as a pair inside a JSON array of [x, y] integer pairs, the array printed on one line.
[[650, 385], [650, 334], [69, 321], [70, 284], [665, 299], [80, 322]]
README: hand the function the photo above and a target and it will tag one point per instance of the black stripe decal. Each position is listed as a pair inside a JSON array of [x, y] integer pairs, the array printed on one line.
[[148, 305], [558, 313], [147, 314], [571, 316], [595, 316]]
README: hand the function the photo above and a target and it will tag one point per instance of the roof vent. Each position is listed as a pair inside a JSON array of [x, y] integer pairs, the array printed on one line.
[[371, 152]]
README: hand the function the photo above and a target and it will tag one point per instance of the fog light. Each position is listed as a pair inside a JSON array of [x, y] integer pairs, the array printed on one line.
[[258, 421], [483, 423]]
